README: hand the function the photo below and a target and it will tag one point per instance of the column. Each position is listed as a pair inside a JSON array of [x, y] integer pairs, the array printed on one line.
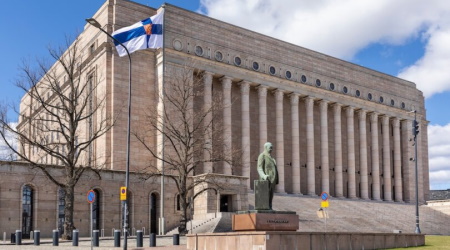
[[245, 110], [310, 164], [325, 166], [419, 160], [351, 157], [296, 178], [408, 161], [375, 157], [226, 88], [207, 106], [339, 182], [397, 161], [363, 155], [386, 160], [262, 101], [279, 147]]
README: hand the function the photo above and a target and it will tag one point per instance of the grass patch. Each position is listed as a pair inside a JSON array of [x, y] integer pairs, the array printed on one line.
[[433, 242]]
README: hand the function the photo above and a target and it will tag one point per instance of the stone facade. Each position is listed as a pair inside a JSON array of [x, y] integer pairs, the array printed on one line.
[[336, 126]]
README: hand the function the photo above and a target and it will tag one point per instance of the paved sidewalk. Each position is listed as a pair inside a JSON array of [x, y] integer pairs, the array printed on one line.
[[162, 243]]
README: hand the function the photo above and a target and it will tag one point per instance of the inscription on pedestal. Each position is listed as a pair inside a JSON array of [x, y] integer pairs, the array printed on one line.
[[265, 221]]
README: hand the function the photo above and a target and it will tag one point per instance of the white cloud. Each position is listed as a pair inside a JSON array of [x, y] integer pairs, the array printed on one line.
[[342, 28], [439, 155], [431, 72], [5, 151]]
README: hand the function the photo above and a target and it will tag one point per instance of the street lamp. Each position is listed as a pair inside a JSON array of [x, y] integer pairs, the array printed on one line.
[[415, 131], [94, 23]]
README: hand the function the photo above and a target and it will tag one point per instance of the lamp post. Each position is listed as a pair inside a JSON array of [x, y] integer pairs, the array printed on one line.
[[415, 132], [94, 23]]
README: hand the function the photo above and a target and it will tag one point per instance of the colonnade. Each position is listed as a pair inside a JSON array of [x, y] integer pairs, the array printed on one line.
[[384, 156]]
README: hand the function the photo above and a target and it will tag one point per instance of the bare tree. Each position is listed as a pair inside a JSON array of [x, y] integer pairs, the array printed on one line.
[[187, 130], [61, 115]]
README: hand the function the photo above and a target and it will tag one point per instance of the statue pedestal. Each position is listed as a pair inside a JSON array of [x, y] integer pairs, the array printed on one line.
[[265, 220]]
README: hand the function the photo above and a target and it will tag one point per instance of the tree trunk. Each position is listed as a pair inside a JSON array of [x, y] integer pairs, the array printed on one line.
[[182, 230], [68, 212]]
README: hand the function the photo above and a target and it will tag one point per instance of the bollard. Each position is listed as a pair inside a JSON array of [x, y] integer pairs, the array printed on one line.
[[37, 237], [55, 238], [13, 238], [75, 236], [152, 240], [95, 236], [176, 239], [139, 238], [31, 235], [116, 238], [18, 237]]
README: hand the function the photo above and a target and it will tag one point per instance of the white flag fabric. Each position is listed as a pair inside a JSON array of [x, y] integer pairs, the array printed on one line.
[[145, 34]]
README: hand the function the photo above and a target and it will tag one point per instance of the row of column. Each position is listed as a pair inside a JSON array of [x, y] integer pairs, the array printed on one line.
[[310, 142]]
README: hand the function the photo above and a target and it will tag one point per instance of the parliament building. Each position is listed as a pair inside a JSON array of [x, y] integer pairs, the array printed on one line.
[[336, 127]]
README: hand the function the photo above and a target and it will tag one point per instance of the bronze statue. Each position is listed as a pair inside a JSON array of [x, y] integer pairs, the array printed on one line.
[[267, 169]]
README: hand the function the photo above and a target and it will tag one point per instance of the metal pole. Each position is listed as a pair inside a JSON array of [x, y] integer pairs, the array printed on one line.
[[92, 224], [94, 23], [162, 221], [127, 173], [417, 231]]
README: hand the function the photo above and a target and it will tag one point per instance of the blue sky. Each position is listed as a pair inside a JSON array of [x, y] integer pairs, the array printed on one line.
[[405, 38]]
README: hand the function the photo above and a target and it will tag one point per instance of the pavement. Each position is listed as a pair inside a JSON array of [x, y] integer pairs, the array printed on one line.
[[162, 243]]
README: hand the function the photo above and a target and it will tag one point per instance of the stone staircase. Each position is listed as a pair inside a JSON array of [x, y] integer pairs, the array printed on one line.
[[344, 216]]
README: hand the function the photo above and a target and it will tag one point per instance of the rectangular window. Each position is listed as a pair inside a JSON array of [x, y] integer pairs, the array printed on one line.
[[92, 49]]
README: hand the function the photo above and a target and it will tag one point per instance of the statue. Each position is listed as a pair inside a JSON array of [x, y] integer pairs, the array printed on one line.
[[267, 170]]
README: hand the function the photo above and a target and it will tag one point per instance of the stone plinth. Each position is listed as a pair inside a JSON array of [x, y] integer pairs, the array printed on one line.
[[266, 220], [301, 240]]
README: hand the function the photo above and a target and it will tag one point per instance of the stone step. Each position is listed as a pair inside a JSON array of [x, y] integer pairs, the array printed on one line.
[[344, 216]]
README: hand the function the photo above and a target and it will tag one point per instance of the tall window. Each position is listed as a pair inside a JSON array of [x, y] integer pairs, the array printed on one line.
[[96, 208], [90, 121], [178, 205], [61, 208], [27, 210]]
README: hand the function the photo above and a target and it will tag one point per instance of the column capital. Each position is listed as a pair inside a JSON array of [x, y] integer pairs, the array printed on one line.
[[245, 87], [396, 122], [294, 98], [278, 94], [373, 116], [349, 110], [324, 105], [226, 82], [385, 119], [262, 90], [336, 106], [207, 79], [362, 113], [207, 75], [309, 101]]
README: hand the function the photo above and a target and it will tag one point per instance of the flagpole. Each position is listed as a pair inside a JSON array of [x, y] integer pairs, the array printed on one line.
[[162, 221], [96, 24]]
